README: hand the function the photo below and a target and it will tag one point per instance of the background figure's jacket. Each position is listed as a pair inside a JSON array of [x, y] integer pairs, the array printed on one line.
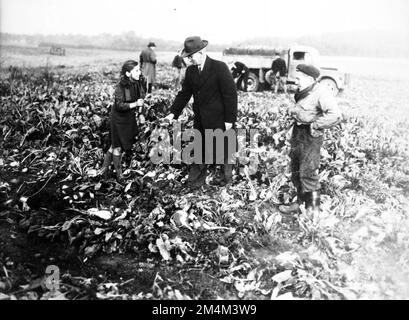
[[239, 68], [319, 107], [147, 59], [178, 62], [279, 65]]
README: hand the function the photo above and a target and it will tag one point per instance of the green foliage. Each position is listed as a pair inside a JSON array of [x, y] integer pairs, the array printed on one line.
[[54, 129]]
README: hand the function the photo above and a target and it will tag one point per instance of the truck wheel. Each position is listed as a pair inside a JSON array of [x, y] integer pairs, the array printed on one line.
[[331, 84], [252, 82], [269, 77]]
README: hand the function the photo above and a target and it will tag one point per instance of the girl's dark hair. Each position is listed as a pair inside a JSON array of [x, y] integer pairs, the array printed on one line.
[[128, 66]]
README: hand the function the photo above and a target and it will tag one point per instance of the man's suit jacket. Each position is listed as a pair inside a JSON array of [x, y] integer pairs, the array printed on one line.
[[214, 93]]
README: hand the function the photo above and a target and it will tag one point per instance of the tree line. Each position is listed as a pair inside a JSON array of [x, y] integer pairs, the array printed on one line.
[[367, 43], [125, 41]]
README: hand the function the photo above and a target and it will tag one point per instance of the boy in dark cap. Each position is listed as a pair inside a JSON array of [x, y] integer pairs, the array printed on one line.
[[315, 109]]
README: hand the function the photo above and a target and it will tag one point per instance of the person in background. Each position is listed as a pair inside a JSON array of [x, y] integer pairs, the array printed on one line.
[[239, 70], [129, 94], [212, 86], [279, 69], [178, 63], [314, 111], [147, 60]]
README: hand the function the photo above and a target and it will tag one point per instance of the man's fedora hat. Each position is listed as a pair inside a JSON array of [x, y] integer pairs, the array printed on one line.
[[193, 45], [151, 44]]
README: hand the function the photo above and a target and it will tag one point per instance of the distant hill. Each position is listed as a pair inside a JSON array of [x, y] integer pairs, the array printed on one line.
[[125, 41], [370, 43]]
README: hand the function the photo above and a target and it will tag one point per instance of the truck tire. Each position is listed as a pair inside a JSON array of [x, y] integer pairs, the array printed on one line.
[[253, 82], [269, 77], [331, 84]]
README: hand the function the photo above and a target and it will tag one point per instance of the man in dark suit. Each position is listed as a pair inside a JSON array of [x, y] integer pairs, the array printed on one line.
[[215, 105]]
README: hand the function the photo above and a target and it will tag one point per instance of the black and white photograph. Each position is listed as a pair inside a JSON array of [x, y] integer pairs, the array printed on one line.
[[204, 156]]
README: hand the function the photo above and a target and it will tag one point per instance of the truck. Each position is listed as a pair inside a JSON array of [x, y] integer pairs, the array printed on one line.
[[259, 62], [57, 50]]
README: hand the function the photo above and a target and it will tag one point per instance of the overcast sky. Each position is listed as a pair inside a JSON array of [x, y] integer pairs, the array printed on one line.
[[216, 20]]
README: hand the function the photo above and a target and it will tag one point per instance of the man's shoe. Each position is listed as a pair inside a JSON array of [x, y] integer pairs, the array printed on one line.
[[225, 178], [222, 181], [289, 209], [193, 186], [218, 178], [197, 172], [295, 206]]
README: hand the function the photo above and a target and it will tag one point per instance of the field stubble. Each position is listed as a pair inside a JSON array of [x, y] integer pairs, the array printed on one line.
[[54, 129]]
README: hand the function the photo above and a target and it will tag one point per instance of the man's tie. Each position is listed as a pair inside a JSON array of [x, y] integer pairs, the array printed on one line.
[[199, 69]]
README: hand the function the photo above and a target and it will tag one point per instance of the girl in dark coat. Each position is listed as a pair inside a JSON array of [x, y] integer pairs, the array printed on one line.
[[129, 94]]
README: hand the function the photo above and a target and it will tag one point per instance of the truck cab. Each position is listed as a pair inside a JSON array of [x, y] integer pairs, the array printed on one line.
[[259, 62]]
